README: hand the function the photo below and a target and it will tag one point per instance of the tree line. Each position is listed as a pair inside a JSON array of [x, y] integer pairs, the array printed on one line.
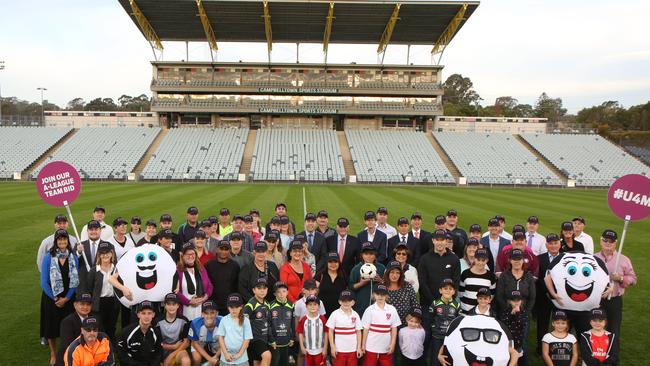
[[12, 106]]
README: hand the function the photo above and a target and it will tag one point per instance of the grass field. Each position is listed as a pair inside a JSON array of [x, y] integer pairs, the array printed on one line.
[[27, 220]]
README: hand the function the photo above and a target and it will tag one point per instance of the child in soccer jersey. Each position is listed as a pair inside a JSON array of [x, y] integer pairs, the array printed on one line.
[[203, 335], [380, 322], [597, 345], [559, 347], [516, 319], [282, 325], [309, 288], [174, 329], [312, 333], [257, 311], [344, 332], [442, 312], [411, 339], [234, 333], [363, 288]]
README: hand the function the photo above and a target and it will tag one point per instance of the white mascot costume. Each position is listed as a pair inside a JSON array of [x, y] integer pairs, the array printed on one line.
[[477, 340], [148, 271], [579, 280]]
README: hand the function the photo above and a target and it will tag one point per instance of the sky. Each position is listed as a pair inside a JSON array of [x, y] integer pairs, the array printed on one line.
[[584, 52]]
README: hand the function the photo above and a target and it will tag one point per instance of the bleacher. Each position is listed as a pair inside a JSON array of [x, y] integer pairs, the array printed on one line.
[[104, 153], [640, 152], [589, 159], [21, 146], [495, 159], [309, 155], [396, 157], [198, 154]]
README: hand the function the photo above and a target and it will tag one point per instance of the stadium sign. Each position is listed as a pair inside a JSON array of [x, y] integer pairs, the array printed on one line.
[[58, 184], [298, 110], [299, 90]]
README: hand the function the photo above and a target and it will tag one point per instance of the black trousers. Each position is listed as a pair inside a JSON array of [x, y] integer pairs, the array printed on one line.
[[543, 308], [614, 309], [405, 361], [108, 312]]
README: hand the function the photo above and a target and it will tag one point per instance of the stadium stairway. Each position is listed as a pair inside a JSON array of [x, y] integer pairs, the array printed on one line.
[[544, 161], [443, 155], [249, 149], [348, 166], [139, 167], [28, 172]]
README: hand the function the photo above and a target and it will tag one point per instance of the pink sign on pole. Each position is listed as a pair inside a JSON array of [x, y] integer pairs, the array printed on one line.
[[629, 196], [58, 184]]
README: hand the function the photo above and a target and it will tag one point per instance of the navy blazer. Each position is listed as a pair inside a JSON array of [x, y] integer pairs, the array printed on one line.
[[380, 242], [485, 242], [352, 253]]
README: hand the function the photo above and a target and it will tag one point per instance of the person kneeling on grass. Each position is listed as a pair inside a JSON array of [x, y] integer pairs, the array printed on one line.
[[91, 348], [203, 335], [312, 333], [174, 329], [140, 343]]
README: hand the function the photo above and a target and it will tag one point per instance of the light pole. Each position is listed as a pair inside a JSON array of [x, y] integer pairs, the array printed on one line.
[[42, 106], [2, 67]]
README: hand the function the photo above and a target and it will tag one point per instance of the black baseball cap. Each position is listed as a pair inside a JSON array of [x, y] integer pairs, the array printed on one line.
[[449, 235], [296, 245], [552, 237], [346, 295], [188, 246], [248, 218], [516, 254], [533, 219], [493, 222], [312, 298], [165, 233], [60, 218], [452, 212], [280, 284], [284, 220], [559, 315], [473, 241], [475, 228], [483, 291], [261, 282], [165, 217], [171, 297], [439, 220], [99, 208], [331, 257], [237, 217], [152, 223], [94, 224], [369, 215], [261, 247], [380, 289], [273, 235], [323, 213], [515, 295], [416, 312], [280, 204], [518, 235], [136, 220], [609, 234], [309, 284], [212, 219], [90, 322], [439, 234], [567, 226], [119, 221], [235, 235], [84, 297], [310, 217], [447, 282], [104, 247], [368, 247], [254, 211], [383, 210], [224, 244], [598, 314], [224, 212], [275, 220], [402, 221], [579, 218], [208, 305], [481, 253], [500, 218], [416, 215], [146, 304], [342, 222], [61, 234], [518, 228], [234, 300], [206, 223], [393, 265], [193, 210]]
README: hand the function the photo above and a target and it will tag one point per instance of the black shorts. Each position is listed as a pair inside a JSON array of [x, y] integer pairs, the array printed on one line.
[[256, 348]]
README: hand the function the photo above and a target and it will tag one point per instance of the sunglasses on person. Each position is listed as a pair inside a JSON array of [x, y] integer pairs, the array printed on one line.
[[400, 253], [492, 336]]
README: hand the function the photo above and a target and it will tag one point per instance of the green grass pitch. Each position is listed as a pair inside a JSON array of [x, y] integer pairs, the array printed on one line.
[[27, 220]]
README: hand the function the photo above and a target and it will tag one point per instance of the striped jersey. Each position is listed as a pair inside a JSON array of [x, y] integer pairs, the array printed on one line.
[[345, 330], [470, 283], [379, 322], [314, 331]]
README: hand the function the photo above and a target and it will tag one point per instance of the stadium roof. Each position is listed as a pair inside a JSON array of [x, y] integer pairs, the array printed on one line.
[[414, 22]]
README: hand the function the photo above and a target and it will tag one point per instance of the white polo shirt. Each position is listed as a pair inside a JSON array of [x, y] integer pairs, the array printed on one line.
[[345, 330], [587, 241], [379, 323], [539, 243]]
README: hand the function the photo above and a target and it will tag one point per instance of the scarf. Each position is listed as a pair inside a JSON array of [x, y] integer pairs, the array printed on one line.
[[56, 280], [198, 291]]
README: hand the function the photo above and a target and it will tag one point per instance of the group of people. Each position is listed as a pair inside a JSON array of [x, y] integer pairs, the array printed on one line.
[[245, 292]]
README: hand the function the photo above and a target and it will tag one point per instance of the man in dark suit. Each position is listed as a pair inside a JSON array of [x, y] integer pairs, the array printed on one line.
[[70, 327], [543, 304], [378, 239], [493, 242], [405, 236], [347, 246], [423, 235], [315, 241], [87, 250]]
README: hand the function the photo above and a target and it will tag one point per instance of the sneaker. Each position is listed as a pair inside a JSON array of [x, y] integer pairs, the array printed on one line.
[[43, 341]]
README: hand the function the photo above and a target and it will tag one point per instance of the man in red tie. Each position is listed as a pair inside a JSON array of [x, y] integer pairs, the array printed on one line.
[[347, 246]]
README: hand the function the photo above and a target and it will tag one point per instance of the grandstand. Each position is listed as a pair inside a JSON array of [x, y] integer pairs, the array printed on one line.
[[395, 157], [590, 160], [304, 155], [494, 159], [640, 152], [198, 154], [104, 153], [22, 146]]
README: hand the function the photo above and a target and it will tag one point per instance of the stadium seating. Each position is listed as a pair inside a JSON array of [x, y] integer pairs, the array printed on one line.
[[167, 82], [494, 159], [309, 155], [589, 159], [167, 102], [392, 156], [21, 146], [198, 154], [639, 152], [105, 153]]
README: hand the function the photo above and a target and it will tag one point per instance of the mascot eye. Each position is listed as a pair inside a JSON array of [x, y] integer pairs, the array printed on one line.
[[139, 257], [572, 270], [152, 256], [586, 271]]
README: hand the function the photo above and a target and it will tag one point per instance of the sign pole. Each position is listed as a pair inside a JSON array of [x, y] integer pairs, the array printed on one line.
[[620, 248], [74, 227]]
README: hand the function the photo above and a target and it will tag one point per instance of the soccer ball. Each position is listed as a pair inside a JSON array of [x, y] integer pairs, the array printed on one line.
[[368, 271]]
